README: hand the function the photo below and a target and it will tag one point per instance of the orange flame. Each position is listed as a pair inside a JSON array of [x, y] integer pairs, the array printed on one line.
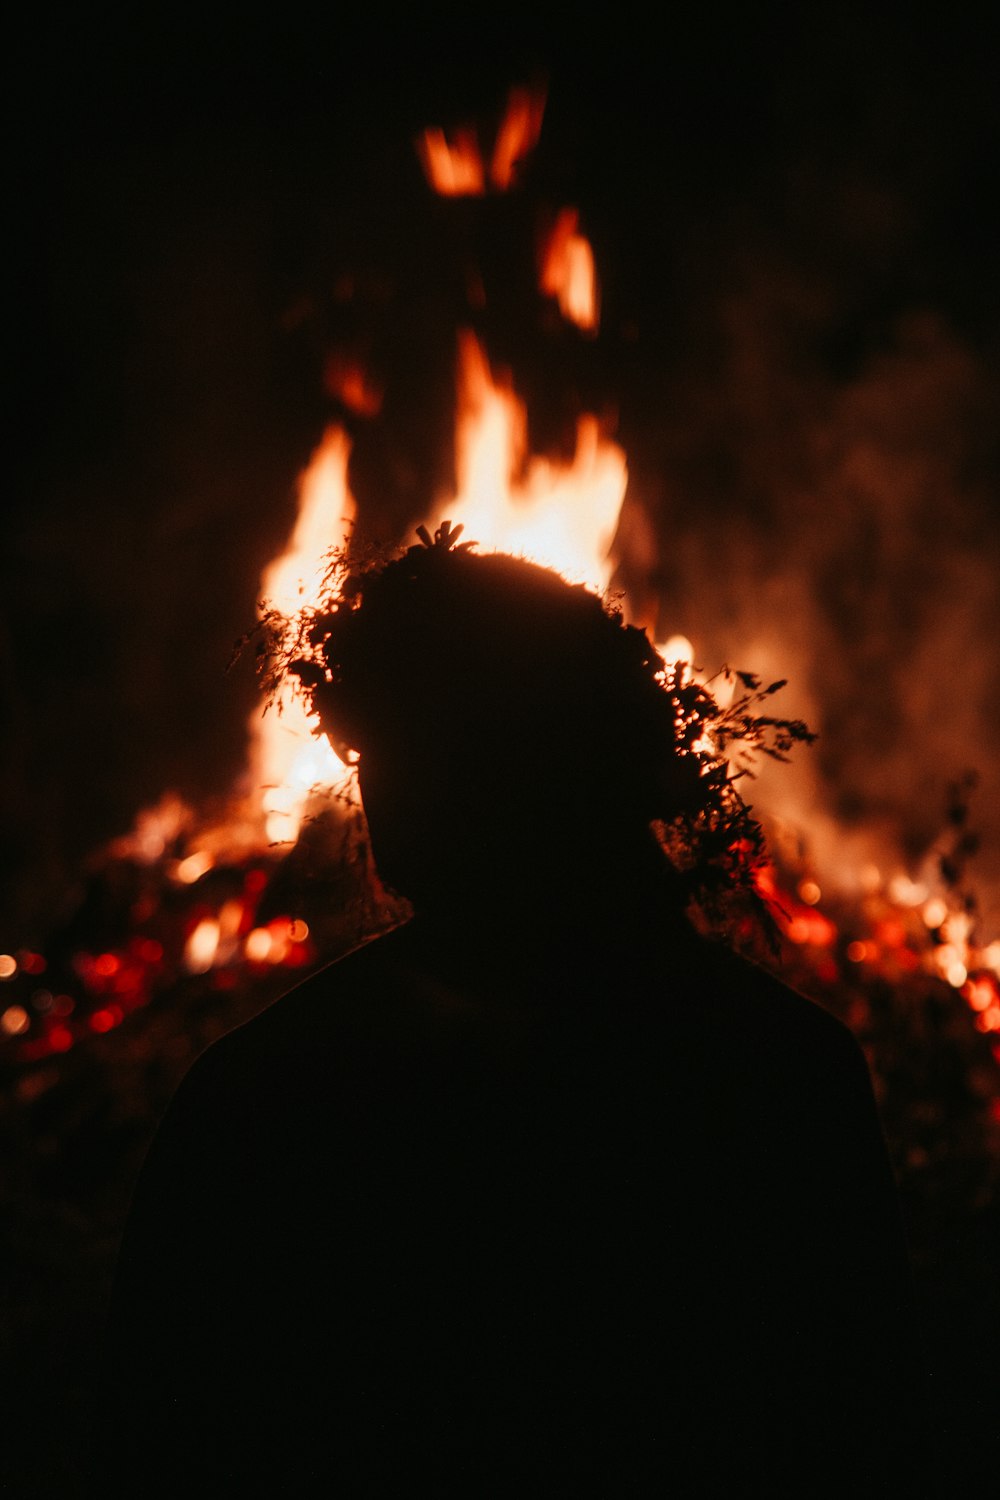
[[517, 136], [289, 758], [454, 166], [562, 515], [568, 272]]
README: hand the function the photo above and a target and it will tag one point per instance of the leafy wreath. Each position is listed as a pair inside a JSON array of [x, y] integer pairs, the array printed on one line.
[[714, 846]]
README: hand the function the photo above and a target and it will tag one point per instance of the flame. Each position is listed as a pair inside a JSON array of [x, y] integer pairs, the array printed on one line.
[[454, 167], [561, 515], [568, 272], [677, 651], [517, 136], [454, 164], [348, 381], [289, 759]]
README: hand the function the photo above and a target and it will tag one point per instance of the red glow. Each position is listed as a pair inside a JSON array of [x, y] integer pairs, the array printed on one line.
[[106, 964], [106, 1018], [148, 950], [297, 955], [890, 933], [809, 926], [350, 383], [59, 1038]]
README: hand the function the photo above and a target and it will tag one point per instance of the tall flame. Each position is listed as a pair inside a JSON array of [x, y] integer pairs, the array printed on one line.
[[562, 515], [288, 759]]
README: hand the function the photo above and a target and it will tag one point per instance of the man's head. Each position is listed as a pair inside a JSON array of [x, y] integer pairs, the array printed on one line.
[[509, 727]]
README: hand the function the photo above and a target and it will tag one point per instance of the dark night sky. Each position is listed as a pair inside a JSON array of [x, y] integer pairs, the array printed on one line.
[[790, 209]]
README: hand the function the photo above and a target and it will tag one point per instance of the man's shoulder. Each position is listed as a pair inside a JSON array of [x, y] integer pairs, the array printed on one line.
[[776, 1024]]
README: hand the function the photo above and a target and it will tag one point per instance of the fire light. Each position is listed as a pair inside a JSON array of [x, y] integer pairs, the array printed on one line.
[[193, 867], [518, 134], [289, 759], [453, 164], [257, 945], [677, 651], [8, 966], [14, 1020], [935, 912], [350, 383], [106, 1019], [568, 272], [906, 892], [201, 946], [981, 993], [563, 516]]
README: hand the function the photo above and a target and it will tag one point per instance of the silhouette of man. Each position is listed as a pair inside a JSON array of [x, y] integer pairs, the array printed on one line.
[[541, 1193]]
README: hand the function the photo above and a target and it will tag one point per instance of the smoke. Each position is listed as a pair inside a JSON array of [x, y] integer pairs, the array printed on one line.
[[837, 528]]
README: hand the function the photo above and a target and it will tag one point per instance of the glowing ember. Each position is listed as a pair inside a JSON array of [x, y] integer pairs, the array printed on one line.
[[568, 272], [15, 1020], [288, 759], [156, 829], [201, 946]]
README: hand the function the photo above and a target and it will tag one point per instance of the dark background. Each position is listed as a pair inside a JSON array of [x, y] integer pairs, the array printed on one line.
[[792, 214]]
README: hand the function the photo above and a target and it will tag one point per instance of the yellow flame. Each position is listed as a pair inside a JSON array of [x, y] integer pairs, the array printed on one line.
[[289, 761], [676, 650], [561, 515]]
